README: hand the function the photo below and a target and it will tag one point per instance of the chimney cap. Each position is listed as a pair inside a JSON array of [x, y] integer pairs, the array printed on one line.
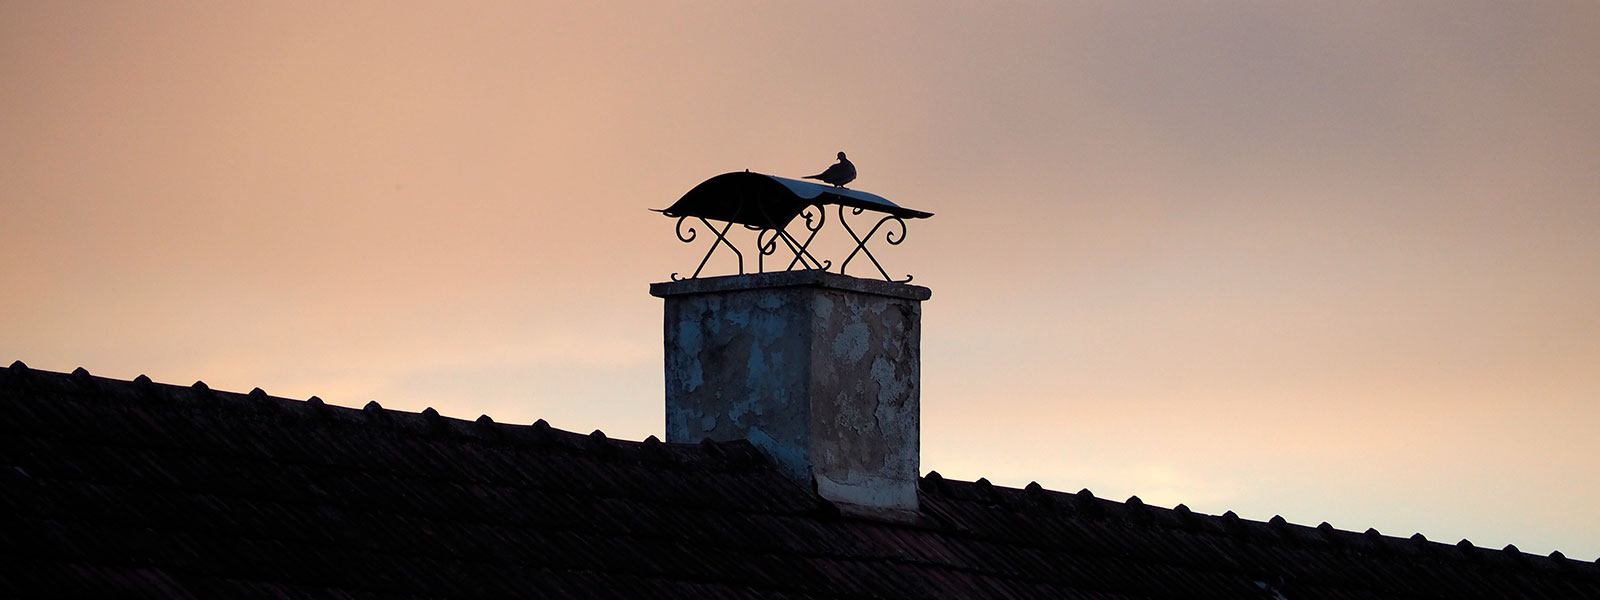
[[770, 202]]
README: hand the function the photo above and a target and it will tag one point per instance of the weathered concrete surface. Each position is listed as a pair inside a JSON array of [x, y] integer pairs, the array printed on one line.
[[820, 370]]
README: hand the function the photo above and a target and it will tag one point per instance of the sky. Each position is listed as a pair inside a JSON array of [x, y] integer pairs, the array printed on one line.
[[1331, 261]]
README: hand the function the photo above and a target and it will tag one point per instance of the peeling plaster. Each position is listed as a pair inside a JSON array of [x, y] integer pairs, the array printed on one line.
[[819, 371], [869, 491], [852, 342], [689, 344]]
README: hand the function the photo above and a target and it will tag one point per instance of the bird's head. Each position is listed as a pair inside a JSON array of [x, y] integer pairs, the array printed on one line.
[[841, 156]]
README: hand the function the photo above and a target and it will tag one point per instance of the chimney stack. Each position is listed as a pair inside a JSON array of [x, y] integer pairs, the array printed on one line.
[[819, 370]]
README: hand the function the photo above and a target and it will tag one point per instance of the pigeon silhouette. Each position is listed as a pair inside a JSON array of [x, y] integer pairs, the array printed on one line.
[[840, 173]]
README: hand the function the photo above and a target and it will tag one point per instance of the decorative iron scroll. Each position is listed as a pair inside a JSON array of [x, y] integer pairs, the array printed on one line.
[[786, 216], [861, 241], [800, 250], [722, 239], [796, 248]]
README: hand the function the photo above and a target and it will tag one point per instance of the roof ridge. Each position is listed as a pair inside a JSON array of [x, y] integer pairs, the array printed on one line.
[[733, 456], [1036, 497], [189, 481]]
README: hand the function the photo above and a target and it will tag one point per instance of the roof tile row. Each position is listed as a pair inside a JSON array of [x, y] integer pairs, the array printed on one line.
[[127, 487]]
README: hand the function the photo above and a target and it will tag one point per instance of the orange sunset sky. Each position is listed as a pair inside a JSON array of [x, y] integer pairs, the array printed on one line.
[[1335, 261]]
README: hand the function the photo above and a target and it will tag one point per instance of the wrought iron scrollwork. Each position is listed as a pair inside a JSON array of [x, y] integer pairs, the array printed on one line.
[[722, 239], [770, 239], [800, 249], [861, 241], [786, 217]]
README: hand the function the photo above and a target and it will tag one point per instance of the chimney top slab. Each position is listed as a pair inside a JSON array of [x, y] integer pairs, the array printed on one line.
[[808, 278]]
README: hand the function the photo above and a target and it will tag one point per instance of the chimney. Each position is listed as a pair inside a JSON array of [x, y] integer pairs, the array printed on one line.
[[819, 370]]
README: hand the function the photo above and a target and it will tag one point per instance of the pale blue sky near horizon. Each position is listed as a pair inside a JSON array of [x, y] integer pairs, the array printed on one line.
[[1336, 262]]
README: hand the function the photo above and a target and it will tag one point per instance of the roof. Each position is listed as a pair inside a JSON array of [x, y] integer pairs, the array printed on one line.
[[139, 489], [770, 202]]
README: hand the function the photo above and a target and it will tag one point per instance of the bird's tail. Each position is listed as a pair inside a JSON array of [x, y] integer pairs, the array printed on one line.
[[817, 177]]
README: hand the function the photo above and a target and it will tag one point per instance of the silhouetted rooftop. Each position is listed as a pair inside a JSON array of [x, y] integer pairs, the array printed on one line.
[[113, 488]]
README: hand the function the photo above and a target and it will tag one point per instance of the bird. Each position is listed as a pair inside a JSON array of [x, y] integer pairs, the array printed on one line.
[[840, 173]]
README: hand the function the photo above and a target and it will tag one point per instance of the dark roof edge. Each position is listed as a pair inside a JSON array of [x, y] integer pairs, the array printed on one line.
[[731, 456], [1276, 530], [810, 277], [741, 455]]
